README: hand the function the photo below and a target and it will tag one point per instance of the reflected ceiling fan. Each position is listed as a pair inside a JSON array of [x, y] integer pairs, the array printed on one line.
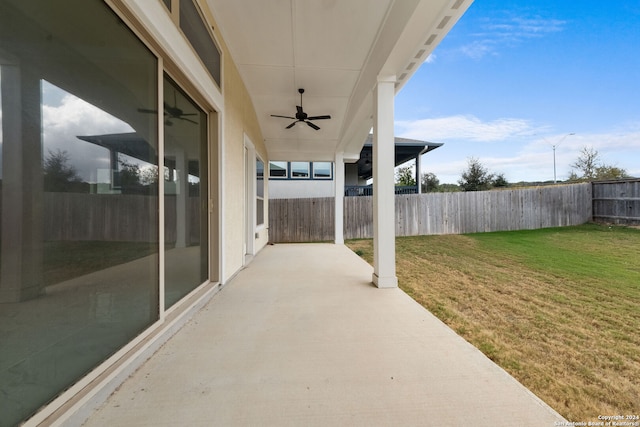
[[301, 116], [172, 112]]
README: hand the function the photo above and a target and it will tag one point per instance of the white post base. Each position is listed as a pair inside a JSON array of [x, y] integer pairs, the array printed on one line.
[[384, 282]]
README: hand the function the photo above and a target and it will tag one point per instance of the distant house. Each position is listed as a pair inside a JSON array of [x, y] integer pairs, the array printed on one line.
[[298, 179], [316, 179]]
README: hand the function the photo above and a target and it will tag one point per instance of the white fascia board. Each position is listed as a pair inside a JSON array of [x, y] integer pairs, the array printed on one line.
[[427, 27]]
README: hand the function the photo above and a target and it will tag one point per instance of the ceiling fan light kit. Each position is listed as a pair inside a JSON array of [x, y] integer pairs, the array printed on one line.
[[301, 116]]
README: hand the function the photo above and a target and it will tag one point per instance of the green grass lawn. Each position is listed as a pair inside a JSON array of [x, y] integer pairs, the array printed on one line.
[[557, 308]]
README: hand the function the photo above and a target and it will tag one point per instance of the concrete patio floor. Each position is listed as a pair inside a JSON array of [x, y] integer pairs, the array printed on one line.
[[301, 337]]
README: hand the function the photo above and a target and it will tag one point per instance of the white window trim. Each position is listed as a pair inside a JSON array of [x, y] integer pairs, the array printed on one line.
[[286, 170], [264, 188], [301, 177], [322, 178]]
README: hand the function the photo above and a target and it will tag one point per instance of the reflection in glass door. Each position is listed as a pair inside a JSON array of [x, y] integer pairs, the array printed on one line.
[[185, 193], [79, 221]]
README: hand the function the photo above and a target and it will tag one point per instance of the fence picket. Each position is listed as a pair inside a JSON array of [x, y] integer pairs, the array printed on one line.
[[617, 202], [119, 217], [438, 213]]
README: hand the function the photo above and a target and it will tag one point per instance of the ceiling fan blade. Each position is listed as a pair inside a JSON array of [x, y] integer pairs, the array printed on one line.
[[301, 116], [312, 125], [187, 120]]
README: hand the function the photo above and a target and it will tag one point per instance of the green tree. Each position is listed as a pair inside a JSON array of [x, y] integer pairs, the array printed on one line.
[[430, 182], [476, 177], [610, 172], [132, 179], [589, 166], [404, 176], [59, 175], [449, 188], [573, 176], [586, 163], [500, 181], [149, 175], [130, 175]]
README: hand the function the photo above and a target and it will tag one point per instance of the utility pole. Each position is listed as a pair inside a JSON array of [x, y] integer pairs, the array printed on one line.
[[554, 146]]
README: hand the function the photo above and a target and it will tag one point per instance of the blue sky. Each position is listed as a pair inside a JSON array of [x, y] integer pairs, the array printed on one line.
[[514, 77]]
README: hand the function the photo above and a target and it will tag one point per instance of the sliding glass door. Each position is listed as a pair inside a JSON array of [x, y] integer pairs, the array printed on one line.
[[185, 194], [79, 226]]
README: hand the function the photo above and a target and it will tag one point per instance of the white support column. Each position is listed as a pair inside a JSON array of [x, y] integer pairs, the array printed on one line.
[[182, 198], [384, 234], [419, 172], [22, 194], [250, 199], [339, 196]]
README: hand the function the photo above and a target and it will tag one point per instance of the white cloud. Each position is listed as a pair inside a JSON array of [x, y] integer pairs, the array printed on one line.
[[68, 117], [620, 148], [615, 140], [520, 28], [478, 49], [509, 30], [517, 148], [77, 117], [430, 59], [466, 127]]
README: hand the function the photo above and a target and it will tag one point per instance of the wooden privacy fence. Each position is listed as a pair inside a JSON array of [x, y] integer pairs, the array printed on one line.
[[617, 202], [301, 220], [72, 216], [292, 220], [477, 211]]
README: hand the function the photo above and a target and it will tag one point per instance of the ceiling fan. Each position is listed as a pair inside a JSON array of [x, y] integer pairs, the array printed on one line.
[[172, 112], [301, 116]]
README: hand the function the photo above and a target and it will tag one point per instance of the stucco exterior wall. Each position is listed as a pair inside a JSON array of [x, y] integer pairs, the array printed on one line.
[[351, 175], [238, 119], [291, 189]]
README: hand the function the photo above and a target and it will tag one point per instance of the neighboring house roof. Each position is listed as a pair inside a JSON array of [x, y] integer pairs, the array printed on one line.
[[276, 167], [405, 150], [133, 145]]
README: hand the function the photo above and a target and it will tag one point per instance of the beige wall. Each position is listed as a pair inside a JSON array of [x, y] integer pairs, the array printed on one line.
[[238, 119], [308, 188]]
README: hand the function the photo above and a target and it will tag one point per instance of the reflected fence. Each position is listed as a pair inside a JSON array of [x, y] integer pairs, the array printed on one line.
[[115, 217], [367, 190], [86, 217]]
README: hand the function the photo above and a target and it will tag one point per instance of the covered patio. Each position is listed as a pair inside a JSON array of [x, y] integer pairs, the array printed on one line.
[[302, 337]]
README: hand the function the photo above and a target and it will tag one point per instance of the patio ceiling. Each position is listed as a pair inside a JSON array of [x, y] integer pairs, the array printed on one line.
[[335, 50]]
